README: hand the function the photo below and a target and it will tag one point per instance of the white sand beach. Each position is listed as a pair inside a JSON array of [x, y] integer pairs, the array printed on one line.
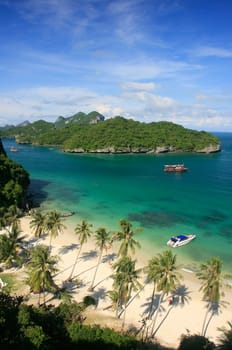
[[184, 316]]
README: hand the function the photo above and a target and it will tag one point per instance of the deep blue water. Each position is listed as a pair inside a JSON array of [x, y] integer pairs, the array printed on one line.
[[106, 188]]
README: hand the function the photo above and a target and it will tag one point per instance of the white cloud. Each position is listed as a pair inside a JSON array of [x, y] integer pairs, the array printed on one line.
[[49, 102], [138, 86], [210, 51]]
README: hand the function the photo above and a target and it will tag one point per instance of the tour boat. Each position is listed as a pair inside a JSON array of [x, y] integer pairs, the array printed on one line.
[[178, 241], [175, 168]]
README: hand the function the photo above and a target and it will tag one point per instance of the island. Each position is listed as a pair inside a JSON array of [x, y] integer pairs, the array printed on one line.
[[92, 133]]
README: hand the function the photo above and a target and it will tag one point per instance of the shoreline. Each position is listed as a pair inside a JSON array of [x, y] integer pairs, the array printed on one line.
[[183, 318]]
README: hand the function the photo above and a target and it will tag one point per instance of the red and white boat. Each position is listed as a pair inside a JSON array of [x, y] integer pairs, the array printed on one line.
[[175, 168]]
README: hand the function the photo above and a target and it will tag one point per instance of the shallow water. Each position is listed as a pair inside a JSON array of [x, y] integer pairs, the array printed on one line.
[[106, 188]]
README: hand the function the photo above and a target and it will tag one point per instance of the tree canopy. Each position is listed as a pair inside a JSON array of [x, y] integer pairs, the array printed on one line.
[[91, 133]]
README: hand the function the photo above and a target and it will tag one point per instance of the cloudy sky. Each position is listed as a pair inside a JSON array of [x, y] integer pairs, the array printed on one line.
[[149, 60]]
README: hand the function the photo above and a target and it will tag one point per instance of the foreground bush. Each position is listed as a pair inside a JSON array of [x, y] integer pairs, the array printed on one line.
[[195, 342]]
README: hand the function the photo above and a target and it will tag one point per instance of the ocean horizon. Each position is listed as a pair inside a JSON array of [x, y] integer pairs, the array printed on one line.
[[103, 189]]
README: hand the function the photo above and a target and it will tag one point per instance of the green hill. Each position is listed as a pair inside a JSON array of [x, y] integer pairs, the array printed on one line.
[[91, 133]]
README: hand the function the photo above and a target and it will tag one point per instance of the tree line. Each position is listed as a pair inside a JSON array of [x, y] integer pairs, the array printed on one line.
[[46, 326]]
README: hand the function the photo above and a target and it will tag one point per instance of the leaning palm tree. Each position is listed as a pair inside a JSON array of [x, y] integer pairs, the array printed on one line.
[[83, 230], [126, 237], [126, 280], [38, 223], [54, 225], [40, 269], [211, 277], [102, 239], [164, 272]]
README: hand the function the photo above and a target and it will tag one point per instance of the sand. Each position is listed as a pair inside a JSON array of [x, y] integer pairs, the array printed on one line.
[[185, 315]]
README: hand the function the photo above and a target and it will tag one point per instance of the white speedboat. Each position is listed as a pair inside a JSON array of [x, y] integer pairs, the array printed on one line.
[[178, 241]]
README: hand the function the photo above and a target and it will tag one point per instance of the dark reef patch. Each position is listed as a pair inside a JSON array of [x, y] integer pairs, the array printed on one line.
[[214, 217], [155, 218], [226, 232]]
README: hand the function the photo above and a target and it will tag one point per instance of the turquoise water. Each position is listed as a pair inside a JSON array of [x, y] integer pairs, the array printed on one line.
[[106, 188]]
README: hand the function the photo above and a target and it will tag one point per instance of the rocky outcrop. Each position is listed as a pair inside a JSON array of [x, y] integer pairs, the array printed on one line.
[[210, 149], [140, 150]]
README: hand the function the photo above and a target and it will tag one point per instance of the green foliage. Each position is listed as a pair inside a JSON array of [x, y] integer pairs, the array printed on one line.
[[11, 247], [9, 328], [225, 340], [14, 181], [54, 328], [90, 133], [195, 342]]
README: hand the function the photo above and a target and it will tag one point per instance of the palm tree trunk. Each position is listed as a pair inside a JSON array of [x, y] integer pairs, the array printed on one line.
[[161, 322], [39, 299], [91, 288], [50, 243], [130, 301], [75, 263], [124, 318]]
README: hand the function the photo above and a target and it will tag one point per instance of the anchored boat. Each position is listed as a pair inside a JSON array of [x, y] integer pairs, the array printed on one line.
[[178, 241], [175, 168]]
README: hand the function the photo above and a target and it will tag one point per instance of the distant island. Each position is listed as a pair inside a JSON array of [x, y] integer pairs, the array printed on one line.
[[92, 133]]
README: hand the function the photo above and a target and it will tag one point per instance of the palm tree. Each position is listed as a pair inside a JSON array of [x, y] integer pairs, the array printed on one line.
[[11, 245], [10, 217], [163, 271], [102, 238], [210, 274], [38, 223], [125, 281], [126, 236], [40, 269], [83, 230], [54, 224]]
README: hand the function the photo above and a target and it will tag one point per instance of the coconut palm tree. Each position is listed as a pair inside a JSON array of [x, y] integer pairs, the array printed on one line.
[[54, 225], [163, 271], [38, 223], [126, 280], [11, 245], [10, 217], [126, 237], [210, 274], [40, 269], [83, 231], [102, 239]]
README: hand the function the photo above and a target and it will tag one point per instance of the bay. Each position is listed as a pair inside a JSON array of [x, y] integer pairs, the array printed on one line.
[[106, 188]]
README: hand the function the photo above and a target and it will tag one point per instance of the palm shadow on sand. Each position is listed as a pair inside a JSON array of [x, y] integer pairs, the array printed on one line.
[[67, 248]]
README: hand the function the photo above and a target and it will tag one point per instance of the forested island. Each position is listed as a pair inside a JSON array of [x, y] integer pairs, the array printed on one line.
[[91, 133]]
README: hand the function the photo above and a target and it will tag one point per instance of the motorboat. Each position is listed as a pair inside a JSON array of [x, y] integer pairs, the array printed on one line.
[[178, 241]]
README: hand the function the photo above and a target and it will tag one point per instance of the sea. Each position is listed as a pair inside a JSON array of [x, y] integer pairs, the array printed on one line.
[[103, 189]]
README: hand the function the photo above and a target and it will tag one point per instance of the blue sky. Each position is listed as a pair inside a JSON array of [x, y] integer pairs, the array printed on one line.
[[149, 60]]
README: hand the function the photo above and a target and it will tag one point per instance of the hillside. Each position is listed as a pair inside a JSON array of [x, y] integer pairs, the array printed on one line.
[[14, 181], [91, 133]]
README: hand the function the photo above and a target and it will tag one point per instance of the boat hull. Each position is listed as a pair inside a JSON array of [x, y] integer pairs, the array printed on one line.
[[179, 241]]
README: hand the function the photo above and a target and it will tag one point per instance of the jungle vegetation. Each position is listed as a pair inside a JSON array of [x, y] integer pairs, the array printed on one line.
[[91, 133], [14, 181]]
